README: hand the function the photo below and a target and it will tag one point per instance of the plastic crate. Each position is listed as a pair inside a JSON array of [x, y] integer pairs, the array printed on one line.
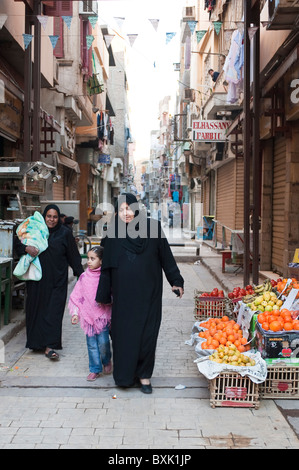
[[282, 382], [212, 307], [230, 389]]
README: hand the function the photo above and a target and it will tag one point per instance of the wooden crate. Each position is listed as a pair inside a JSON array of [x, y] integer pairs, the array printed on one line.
[[282, 382], [230, 389]]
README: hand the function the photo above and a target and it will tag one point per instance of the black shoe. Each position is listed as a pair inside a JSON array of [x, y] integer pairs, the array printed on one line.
[[146, 388]]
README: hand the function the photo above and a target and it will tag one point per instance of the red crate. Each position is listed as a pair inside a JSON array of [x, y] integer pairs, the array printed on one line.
[[230, 389], [212, 307]]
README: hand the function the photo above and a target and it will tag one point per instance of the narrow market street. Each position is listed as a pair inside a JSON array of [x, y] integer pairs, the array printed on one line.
[[50, 405]]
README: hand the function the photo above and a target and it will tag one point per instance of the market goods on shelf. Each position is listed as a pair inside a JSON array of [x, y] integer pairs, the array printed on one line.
[[267, 301], [231, 355], [222, 331], [279, 320]]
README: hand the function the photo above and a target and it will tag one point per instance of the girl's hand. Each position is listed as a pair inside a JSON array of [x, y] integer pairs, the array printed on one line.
[[32, 251], [75, 319]]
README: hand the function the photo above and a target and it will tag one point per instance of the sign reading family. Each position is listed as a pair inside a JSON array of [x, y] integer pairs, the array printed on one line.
[[209, 131]]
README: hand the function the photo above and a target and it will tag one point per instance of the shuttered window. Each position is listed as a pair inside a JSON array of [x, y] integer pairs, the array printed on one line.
[[59, 8], [278, 204], [58, 31]]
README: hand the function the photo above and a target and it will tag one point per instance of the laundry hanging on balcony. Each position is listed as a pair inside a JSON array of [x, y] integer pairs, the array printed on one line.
[[94, 87], [233, 67]]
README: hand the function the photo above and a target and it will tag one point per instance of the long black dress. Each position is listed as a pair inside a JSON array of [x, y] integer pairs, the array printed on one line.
[[136, 284], [46, 298]]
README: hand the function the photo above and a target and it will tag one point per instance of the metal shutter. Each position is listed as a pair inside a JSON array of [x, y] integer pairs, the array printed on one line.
[[278, 203]]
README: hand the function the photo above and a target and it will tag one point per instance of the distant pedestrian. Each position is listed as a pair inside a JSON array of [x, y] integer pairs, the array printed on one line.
[[62, 218], [45, 302], [69, 222], [94, 318], [213, 74]]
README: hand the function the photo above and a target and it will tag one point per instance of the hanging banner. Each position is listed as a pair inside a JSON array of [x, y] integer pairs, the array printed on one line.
[[200, 35], [89, 40], [67, 20], [43, 21], [155, 24], [119, 21], [3, 18], [108, 39], [53, 40], [209, 131], [169, 37], [252, 31], [192, 26], [132, 38], [93, 20], [27, 39], [217, 26]]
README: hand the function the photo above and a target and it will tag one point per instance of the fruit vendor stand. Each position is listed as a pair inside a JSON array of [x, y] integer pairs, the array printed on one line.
[[247, 343]]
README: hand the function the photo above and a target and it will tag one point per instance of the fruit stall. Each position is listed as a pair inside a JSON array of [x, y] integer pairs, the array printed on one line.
[[247, 342]]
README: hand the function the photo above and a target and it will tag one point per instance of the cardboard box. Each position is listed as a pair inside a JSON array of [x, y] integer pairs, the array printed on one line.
[[281, 344], [296, 256]]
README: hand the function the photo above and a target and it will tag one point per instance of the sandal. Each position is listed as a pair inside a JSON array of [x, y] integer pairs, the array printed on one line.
[[52, 354]]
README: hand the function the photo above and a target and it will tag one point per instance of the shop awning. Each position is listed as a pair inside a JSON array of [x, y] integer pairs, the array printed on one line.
[[62, 160]]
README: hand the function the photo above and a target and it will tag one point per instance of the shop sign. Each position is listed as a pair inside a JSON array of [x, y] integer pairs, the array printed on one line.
[[11, 115], [104, 158], [209, 131]]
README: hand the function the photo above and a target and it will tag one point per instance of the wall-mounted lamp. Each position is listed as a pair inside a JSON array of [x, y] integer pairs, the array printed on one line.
[[187, 149], [55, 177]]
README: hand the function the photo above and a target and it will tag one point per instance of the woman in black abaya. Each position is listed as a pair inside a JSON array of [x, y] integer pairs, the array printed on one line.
[[132, 273], [46, 298]]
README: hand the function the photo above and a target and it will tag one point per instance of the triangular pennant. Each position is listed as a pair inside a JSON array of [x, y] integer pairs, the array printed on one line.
[[27, 39], [89, 40], [155, 24], [3, 18], [169, 37], [67, 20], [108, 39], [217, 26], [132, 38], [200, 35], [53, 40], [240, 26], [192, 26], [93, 20], [251, 31], [43, 20], [265, 23], [119, 21]]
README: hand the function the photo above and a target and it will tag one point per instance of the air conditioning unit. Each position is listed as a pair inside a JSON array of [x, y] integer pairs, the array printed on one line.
[[88, 7]]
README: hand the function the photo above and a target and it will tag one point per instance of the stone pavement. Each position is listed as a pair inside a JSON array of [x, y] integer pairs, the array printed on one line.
[[49, 405]]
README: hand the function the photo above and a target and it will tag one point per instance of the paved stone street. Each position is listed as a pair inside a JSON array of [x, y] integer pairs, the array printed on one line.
[[48, 404]]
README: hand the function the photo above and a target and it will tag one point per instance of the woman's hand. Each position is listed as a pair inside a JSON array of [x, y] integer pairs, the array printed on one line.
[[32, 251], [180, 289]]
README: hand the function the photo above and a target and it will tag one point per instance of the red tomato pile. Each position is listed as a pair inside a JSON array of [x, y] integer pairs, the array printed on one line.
[[215, 293], [239, 292]]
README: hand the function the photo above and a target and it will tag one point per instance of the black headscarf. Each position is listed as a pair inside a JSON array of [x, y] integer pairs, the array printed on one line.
[[120, 232], [56, 208]]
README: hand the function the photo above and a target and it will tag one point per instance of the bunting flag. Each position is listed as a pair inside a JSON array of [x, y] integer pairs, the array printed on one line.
[[3, 18], [67, 20], [93, 20], [43, 21], [119, 21], [53, 40], [108, 39], [89, 40], [240, 26], [217, 26], [251, 31], [192, 26], [132, 38], [200, 35], [155, 24], [169, 37], [27, 39], [265, 23]]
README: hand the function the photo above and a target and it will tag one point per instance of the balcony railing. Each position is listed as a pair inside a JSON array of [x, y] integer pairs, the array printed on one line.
[[283, 14]]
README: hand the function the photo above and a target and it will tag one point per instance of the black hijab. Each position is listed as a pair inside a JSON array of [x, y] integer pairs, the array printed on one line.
[[56, 208], [120, 233]]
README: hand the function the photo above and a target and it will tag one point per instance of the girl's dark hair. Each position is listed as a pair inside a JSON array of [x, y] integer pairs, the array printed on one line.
[[98, 250]]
